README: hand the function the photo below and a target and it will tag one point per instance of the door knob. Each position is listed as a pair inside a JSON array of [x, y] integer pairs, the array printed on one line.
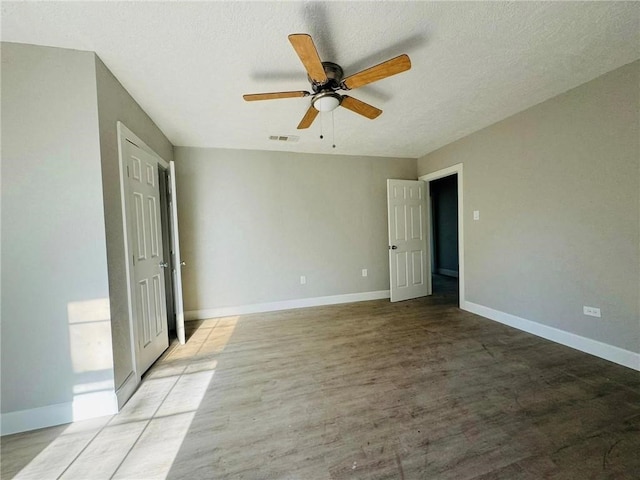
[[183, 263], [393, 247], [164, 264]]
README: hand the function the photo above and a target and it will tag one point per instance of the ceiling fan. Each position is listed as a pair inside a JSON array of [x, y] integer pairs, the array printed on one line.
[[326, 79]]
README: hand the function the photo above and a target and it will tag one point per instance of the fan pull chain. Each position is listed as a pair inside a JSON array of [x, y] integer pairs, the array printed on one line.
[[333, 130], [321, 125]]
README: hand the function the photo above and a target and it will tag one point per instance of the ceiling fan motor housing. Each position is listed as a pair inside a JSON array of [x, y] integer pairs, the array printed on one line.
[[334, 75]]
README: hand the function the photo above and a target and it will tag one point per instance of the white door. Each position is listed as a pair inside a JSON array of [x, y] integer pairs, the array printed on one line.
[[148, 261], [408, 234], [176, 261]]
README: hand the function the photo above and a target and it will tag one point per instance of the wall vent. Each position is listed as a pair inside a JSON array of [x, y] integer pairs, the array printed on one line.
[[284, 138]]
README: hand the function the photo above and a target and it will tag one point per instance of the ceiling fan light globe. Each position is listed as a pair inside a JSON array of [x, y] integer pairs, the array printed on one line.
[[326, 103]]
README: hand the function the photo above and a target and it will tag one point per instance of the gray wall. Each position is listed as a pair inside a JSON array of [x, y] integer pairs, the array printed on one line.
[[55, 323], [253, 222], [115, 104], [558, 190]]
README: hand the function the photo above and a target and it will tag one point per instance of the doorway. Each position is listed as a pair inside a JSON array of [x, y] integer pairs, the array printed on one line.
[[445, 196], [444, 235], [154, 282], [165, 225]]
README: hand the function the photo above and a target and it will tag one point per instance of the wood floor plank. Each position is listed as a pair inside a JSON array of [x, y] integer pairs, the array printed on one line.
[[375, 390]]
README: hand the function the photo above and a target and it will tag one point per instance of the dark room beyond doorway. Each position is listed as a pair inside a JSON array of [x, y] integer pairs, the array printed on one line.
[[444, 234]]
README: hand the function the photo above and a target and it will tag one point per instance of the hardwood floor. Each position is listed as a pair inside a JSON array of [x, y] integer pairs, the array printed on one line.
[[415, 390]]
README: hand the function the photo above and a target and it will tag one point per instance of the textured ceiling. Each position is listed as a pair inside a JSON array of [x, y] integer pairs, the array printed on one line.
[[188, 63]]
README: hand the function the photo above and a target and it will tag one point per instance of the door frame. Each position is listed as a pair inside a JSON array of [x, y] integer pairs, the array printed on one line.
[[446, 172], [124, 134], [165, 225]]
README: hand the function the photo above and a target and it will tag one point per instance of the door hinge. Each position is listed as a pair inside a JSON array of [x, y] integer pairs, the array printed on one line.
[[128, 171]]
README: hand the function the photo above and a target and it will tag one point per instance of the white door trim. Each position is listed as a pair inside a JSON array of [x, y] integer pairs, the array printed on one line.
[[124, 135], [445, 172]]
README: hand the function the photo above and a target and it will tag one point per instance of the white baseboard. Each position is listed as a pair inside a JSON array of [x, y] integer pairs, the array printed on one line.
[[599, 349], [285, 305], [83, 407], [128, 388], [447, 272]]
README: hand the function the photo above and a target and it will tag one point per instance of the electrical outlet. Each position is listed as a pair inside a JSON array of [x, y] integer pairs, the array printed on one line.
[[591, 311], [364, 272], [303, 280], [476, 214]]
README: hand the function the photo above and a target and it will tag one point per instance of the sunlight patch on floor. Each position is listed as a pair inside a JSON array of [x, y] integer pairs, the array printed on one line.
[[142, 440]]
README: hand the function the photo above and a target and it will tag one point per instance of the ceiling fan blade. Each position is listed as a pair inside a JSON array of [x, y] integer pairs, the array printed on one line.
[[359, 107], [308, 118], [306, 50], [274, 95], [396, 65]]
